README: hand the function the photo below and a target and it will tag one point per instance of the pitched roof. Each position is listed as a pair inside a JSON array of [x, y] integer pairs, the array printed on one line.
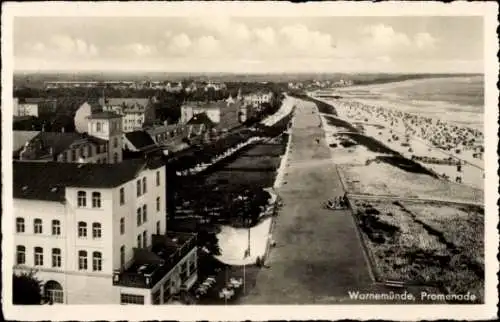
[[104, 115], [139, 139], [60, 141], [21, 137], [201, 118], [47, 180]]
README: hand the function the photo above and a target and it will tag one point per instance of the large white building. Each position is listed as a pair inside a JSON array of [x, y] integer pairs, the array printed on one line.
[[96, 233], [136, 112], [258, 98]]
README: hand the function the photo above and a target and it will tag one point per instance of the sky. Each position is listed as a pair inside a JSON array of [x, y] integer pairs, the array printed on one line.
[[250, 44]]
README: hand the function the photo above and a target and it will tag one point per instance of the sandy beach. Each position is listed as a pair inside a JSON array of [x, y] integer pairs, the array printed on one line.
[[451, 151]]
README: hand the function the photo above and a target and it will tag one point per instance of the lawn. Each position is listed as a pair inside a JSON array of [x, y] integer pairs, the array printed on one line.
[[261, 163], [265, 149], [406, 247], [384, 179], [235, 180]]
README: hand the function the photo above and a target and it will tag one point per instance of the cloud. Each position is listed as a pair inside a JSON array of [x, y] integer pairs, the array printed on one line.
[[206, 46], [139, 49], [424, 40], [60, 46], [179, 44]]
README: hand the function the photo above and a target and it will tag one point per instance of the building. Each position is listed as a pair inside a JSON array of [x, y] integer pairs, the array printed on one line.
[[215, 86], [59, 147], [138, 141], [199, 124], [107, 126], [136, 112], [96, 233], [258, 98], [190, 109], [34, 107], [82, 114]]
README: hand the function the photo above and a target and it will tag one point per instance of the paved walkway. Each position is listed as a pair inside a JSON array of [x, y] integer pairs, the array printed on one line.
[[318, 257]]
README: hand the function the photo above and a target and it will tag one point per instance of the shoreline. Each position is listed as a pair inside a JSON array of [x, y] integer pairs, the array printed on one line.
[[465, 155]]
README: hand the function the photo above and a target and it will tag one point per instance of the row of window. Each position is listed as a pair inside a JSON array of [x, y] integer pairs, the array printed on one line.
[[142, 184], [85, 151], [142, 239], [57, 258], [56, 227], [82, 199]]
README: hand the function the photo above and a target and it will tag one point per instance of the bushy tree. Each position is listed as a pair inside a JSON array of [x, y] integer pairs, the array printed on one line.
[[26, 289]]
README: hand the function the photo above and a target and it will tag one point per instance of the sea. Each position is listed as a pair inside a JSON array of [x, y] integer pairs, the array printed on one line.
[[456, 99]]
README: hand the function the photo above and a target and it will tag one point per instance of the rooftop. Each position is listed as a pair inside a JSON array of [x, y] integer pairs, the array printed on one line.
[[139, 139], [201, 118], [20, 138], [150, 265], [48, 180]]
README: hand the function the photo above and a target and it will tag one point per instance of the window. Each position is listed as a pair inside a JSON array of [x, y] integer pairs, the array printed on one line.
[[144, 213], [192, 266], [122, 196], [56, 257], [122, 256], [96, 230], [131, 299], [139, 241], [73, 155], [82, 229], [138, 188], [82, 260], [158, 204], [20, 225], [38, 256], [96, 200], [37, 223], [158, 178], [96, 261], [56, 227], [145, 238], [20, 255], [82, 199], [122, 226], [83, 152], [105, 148], [139, 216], [90, 150], [144, 185], [115, 143], [158, 227], [98, 127], [98, 149], [64, 157]]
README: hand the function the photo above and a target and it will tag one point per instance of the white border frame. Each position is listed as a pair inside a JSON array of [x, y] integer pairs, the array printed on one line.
[[488, 310]]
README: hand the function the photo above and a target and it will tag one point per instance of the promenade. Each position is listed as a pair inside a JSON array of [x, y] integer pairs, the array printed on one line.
[[318, 257]]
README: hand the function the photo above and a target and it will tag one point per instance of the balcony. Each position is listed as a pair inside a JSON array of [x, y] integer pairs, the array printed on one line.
[[150, 265]]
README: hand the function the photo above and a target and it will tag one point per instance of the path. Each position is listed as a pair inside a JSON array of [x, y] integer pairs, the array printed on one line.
[[318, 257]]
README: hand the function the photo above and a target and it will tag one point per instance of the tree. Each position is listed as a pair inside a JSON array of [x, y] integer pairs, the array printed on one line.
[[26, 289]]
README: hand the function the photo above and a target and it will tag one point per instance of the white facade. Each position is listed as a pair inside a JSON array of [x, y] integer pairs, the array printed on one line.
[[81, 117], [27, 109], [258, 98], [109, 129], [91, 284], [188, 111]]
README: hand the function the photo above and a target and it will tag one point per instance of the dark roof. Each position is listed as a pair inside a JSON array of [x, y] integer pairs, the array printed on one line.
[[139, 139], [60, 141], [34, 100], [47, 180], [201, 118], [20, 138], [104, 115]]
